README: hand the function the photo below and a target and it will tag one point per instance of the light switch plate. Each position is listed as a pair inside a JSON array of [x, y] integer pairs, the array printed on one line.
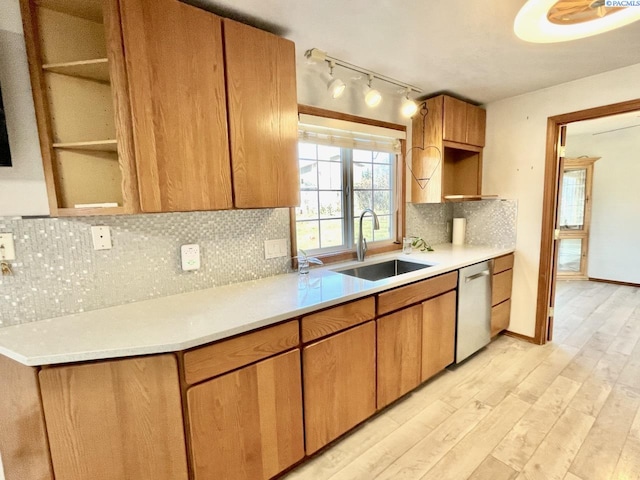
[[275, 248], [190, 256], [101, 237], [7, 248]]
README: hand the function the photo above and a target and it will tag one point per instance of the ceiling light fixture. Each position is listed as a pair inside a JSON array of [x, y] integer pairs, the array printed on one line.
[[372, 96], [550, 21], [335, 86], [409, 107]]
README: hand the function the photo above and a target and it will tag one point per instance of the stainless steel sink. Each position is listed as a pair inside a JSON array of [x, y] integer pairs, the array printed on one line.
[[378, 271]]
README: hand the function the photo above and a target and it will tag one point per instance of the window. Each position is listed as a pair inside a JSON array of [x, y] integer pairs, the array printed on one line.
[[343, 172]]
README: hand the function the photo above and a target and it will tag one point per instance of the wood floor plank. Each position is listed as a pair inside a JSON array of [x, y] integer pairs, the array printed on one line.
[[630, 376], [385, 452], [493, 469], [628, 466], [463, 459], [601, 449], [585, 361], [425, 454], [521, 442], [571, 476], [552, 459], [629, 336]]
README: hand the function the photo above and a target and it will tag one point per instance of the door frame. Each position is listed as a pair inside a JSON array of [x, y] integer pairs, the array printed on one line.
[[547, 268]]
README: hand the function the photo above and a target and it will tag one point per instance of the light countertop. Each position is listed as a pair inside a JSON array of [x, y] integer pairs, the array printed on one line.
[[187, 320]]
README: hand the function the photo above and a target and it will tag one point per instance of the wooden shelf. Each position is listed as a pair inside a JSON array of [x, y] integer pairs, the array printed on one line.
[[96, 146], [87, 9], [467, 198], [96, 69]]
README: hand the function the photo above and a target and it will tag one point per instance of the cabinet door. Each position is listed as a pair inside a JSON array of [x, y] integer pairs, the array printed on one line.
[[455, 120], [175, 69], [263, 117], [247, 425], [339, 384], [500, 316], [398, 345], [476, 125], [438, 334], [115, 420]]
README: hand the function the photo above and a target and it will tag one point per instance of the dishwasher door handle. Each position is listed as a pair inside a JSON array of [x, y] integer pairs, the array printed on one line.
[[484, 273]]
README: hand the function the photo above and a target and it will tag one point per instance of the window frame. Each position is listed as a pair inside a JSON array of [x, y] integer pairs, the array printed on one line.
[[399, 200]]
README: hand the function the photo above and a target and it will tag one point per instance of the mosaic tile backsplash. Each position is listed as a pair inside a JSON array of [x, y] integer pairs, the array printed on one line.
[[57, 272]]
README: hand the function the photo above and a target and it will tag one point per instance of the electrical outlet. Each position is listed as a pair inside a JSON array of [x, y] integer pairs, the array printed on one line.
[[7, 248], [275, 248], [101, 237], [190, 256]]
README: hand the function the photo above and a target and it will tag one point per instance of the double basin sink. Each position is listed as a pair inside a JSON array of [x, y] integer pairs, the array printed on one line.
[[382, 270]]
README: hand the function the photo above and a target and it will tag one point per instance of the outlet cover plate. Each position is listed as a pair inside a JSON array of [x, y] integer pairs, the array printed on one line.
[[9, 251], [275, 248], [190, 257], [101, 236]]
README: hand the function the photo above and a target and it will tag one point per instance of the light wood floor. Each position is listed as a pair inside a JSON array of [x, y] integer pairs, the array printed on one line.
[[567, 410]]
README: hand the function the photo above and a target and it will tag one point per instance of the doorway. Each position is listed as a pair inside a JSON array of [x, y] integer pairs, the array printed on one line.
[[550, 239]]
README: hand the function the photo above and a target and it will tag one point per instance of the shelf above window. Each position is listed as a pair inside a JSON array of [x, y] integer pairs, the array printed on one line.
[[95, 69], [96, 146]]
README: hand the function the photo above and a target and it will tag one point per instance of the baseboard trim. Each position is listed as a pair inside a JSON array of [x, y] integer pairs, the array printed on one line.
[[519, 336], [614, 282]]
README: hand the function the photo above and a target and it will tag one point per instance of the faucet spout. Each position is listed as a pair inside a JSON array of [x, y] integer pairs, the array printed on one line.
[[361, 245]]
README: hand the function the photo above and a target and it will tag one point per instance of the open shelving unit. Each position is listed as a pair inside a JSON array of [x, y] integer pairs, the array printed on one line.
[[78, 103]]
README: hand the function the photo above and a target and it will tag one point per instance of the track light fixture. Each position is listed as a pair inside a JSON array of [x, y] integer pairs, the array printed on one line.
[[372, 97]]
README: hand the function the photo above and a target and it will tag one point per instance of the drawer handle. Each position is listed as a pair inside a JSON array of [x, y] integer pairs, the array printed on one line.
[[484, 273]]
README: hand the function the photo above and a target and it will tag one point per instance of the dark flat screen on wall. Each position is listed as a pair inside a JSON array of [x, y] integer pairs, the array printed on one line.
[[5, 153]]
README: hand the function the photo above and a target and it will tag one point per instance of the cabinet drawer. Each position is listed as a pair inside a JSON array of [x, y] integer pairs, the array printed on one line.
[[503, 263], [337, 318], [416, 292], [224, 356], [501, 287], [500, 315]]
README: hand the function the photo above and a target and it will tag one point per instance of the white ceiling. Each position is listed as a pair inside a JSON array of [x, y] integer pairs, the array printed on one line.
[[602, 125], [465, 47]]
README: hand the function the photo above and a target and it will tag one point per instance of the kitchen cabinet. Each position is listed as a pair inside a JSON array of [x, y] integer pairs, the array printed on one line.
[[247, 425], [263, 117], [438, 334], [501, 293], [115, 420], [446, 158], [399, 349], [335, 319], [339, 384], [131, 101]]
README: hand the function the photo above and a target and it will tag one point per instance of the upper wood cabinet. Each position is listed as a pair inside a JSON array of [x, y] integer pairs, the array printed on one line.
[[263, 116], [175, 72], [131, 100], [447, 150]]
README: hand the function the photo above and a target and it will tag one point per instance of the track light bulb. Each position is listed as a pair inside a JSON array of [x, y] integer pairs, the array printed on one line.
[[372, 97], [409, 107], [336, 87]]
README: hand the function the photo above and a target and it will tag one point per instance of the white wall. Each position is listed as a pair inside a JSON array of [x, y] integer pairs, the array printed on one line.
[[514, 165], [22, 187], [615, 218]]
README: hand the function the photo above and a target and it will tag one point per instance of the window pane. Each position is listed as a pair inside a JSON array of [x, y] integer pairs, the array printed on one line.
[[381, 157], [384, 233], [331, 233], [362, 177], [573, 199], [330, 175], [330, 204], [382, 202], [382, 176], [361, 199], [328, 153], [362, 156], [308, 235], [308, 208], [308, 174], [569, 255], [307, 150]]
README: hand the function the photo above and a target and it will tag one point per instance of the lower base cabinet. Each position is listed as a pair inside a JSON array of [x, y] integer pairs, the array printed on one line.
[[247, 424], [438, 334], [399, 354], [115, 420], [339, 384]]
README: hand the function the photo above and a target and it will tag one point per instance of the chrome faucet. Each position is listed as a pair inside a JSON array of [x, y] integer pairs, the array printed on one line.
[[361, 246]]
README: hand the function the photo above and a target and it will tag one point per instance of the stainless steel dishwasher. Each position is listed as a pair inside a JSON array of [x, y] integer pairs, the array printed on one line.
[[474, 309]]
